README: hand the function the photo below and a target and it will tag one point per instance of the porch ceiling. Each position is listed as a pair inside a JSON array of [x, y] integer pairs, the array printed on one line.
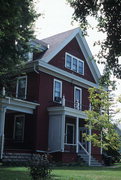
[[18, 105], [67, 111]]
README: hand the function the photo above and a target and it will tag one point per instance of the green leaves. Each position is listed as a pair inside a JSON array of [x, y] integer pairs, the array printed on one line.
[[100, 120], [16, 22], [108, 16]]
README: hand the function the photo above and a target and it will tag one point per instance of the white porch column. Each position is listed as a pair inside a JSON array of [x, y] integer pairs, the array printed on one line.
[[63, 132], [77, 134], [2, 124]]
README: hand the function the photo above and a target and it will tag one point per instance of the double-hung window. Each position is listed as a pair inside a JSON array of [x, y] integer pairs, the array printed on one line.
[[73, 63], [78, 98], [57, 91], [21, 88]]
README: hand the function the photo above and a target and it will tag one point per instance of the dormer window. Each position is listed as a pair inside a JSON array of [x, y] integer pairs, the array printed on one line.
[[73, 63], [21, 87]]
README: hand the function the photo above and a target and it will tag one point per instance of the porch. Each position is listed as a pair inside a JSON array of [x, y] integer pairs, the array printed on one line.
[[66, 128], [13, 115]]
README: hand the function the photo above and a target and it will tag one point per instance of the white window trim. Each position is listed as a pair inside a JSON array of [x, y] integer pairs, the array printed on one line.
[[80, 106], [21, 77], [72, 63], [15, 126], [56, 80], [70, 124]]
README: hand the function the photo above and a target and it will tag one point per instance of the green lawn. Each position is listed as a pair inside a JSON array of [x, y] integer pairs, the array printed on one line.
[[66, 173]]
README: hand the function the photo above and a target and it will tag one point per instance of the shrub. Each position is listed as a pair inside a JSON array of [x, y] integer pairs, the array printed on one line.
[[39, 167]]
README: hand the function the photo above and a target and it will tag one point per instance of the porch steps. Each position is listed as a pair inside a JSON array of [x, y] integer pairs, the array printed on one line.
[[16, 158], [85, 158]]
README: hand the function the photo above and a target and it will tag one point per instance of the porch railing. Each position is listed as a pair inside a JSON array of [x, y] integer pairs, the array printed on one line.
[[86, 152], [68, 103]]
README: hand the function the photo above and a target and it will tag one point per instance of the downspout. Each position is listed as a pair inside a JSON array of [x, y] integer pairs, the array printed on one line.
[[35, 70]]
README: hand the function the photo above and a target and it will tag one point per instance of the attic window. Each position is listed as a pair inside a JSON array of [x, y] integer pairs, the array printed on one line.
[[74, 63]]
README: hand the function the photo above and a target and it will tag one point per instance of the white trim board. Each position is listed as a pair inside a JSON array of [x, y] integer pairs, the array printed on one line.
[[59, 73], [67, 111], [18, 105]]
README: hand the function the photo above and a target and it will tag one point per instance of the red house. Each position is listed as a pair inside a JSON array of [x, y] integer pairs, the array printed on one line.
[[47, 112]]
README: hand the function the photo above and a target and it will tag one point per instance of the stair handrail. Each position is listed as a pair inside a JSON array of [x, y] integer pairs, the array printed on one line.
[[83, 148], [89, 155]]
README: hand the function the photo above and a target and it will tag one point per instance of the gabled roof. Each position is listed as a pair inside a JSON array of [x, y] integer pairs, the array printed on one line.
[[57, 42]]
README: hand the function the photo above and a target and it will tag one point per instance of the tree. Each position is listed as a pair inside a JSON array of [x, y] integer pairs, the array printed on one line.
[[16, 29], [100, 121], [107, 13]]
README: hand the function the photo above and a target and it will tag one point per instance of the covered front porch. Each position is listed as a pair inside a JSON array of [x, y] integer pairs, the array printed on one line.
[[14, 113], [66, 128]]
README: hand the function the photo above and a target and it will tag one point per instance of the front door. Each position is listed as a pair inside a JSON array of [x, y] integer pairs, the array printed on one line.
[[69, 133], [82, 140]]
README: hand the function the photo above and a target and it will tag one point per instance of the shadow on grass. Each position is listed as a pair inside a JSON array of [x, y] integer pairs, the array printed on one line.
[[80, 168], [11, 173]]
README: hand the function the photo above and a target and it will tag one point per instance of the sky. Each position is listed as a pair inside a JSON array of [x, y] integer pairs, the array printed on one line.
[[56, 18]]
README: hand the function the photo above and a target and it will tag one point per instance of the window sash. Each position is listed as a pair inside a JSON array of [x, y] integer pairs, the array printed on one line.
[[78, 98], [57, 92], [81, 67], [68, 61], [75, 64], [21, 87]]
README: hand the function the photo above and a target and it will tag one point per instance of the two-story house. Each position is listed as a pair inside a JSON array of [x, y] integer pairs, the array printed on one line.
[[47, 114]]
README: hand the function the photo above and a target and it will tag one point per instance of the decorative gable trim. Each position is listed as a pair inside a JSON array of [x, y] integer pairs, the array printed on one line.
[[88, 56], [76, 33]]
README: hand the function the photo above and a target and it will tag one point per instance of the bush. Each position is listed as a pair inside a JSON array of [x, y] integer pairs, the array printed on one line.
[[39, 167]]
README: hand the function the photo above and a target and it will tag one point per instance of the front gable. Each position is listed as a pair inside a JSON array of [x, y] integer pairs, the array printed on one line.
[[72, 48], [74, 43]]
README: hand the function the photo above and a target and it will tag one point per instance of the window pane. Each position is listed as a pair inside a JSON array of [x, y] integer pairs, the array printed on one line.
[[21, 88], [77, 95], [75, 64], [57, 89], [68, 61], [80, 67]]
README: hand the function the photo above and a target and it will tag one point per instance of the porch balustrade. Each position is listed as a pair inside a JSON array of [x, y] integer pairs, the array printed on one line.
[[74, 105]]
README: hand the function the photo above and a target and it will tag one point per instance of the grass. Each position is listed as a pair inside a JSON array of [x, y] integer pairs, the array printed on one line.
[[65, 173]]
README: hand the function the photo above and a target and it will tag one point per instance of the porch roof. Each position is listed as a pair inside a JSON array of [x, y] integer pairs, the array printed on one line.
[[15, 104], [67, 111]]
